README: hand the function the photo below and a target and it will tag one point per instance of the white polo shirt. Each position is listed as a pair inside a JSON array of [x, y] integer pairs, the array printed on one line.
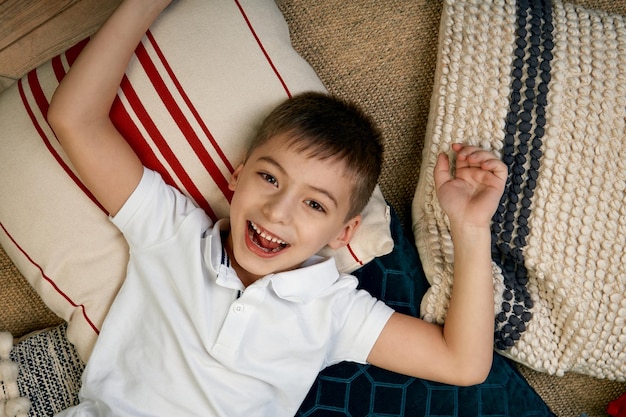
[[185, 338]]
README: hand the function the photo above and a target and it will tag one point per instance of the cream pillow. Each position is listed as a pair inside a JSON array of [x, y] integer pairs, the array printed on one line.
[[202, 79], [543, 84]]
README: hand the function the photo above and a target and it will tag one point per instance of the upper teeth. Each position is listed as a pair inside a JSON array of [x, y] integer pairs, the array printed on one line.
[[266, 236]]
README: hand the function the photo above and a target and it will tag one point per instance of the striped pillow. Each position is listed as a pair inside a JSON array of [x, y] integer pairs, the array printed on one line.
[[543, 84], [203, 77]]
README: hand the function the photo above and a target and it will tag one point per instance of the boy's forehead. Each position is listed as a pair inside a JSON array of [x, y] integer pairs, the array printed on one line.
[[291, 143]]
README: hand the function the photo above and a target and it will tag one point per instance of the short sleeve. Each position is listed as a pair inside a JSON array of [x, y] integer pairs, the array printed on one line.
[[365, 318], [154, 211]]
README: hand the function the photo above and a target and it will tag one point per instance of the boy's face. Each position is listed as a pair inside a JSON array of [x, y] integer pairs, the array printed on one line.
[[286, 207]]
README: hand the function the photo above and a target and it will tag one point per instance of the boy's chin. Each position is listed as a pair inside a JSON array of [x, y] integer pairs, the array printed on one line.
[[257, 267]]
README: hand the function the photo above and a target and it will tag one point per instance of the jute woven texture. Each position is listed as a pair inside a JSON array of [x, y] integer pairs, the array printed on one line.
[[22, 311]]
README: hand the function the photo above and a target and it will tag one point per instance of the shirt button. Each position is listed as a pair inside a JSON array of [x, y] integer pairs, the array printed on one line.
[[238, 308]]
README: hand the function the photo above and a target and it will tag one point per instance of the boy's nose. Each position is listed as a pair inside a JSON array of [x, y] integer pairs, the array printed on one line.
[[279, 209]]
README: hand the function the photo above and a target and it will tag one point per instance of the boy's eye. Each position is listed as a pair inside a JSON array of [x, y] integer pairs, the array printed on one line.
[[315, 205], [269, 178]]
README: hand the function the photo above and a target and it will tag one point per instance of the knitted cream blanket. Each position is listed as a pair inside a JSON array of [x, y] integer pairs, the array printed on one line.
[[544, 85]]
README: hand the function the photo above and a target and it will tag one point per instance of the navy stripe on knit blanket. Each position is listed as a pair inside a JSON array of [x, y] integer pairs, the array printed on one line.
[[525, 128]]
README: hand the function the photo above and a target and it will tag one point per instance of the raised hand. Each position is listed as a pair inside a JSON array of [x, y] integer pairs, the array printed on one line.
[[471, 195]]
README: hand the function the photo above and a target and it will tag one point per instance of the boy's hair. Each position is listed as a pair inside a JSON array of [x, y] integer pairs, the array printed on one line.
[[326, 127]]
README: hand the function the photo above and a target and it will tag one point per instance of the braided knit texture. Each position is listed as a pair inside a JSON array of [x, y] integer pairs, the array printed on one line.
[[50, 371], [543, 84]]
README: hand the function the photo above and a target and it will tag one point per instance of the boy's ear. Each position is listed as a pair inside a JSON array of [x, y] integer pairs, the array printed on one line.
[[234, 179], [346, 234]]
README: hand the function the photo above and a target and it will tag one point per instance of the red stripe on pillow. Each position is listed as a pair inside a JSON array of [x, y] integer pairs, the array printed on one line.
[[138, 141], [42, 103], [356, 258], [190, 105], [38, 94], [51, 281], [181, 121], [72, 53], [129, 129], [57, 67], [258, 41]]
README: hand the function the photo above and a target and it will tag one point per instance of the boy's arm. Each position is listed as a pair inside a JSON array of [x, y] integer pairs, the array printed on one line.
[[460, 353], [79, 110]]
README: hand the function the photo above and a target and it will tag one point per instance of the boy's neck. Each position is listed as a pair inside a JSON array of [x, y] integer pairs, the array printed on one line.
[[244, 276]]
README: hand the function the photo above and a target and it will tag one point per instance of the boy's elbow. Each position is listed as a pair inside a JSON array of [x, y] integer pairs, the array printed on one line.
[[64, 118], [474, 374], [473, 379], [55, 116], [64, 107]]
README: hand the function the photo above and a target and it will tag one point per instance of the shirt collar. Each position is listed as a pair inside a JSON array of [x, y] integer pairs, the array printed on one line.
[[300, 285], [217, 260], [307, 282]]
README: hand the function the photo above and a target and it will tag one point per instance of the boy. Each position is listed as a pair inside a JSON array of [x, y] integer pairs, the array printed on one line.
[[237, 318]]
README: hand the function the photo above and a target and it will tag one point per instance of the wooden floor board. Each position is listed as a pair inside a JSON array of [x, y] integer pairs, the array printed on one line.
[[72, 24], [19, 17]]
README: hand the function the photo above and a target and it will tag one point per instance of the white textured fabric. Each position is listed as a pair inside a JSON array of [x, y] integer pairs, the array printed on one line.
[[543, 84], [11, 402], [184, 337], [199, 84]]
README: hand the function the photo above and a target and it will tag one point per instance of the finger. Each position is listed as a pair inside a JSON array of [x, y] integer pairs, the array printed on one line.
[[497, 167], [477, 156], [442, 170], [464, 151], [457, 147]]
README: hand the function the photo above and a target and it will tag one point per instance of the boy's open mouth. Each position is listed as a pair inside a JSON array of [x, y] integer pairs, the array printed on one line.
[[264, 241]]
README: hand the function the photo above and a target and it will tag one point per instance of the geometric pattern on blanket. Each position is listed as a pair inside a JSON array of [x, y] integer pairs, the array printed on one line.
[[542, 84]]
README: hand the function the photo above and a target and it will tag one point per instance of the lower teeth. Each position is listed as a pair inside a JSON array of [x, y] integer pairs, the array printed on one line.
[[258, 240]]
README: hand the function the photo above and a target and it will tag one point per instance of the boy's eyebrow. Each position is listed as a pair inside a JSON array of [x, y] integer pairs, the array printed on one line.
[[272, 161]]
